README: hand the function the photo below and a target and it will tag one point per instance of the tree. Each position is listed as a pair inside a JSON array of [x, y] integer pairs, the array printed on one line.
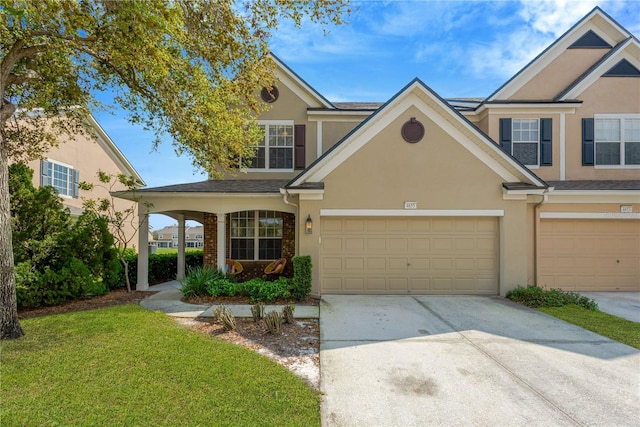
[[121, 221], [56, 257], [186, 68]]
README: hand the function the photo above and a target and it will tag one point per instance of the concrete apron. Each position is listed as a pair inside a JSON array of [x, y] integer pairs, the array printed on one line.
[[449, 360]]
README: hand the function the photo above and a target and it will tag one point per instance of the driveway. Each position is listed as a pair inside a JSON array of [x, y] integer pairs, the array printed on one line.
[[621, 304], [482, 361]]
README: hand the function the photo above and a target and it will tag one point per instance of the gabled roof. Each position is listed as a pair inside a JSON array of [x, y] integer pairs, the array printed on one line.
[[628, 51], [300, 87], [112, 150], [418, 94], [607, 29]]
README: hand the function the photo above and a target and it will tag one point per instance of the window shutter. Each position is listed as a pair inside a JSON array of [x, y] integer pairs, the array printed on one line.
[[505, 135], [75, 191], [44, 173], [587, 142], [546, 147], [299, 149]]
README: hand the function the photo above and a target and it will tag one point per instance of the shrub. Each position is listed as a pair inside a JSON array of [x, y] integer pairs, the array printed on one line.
[[262, 290], [225, 317], [257, 311], [301, 282], [535, 296], [274, 322], [197, 281], [162, 267], [287, 313], [223, 286]]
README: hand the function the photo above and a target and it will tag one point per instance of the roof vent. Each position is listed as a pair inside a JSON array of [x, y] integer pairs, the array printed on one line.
[[270, 94], [623, 68], [412, 131], [590, 40]]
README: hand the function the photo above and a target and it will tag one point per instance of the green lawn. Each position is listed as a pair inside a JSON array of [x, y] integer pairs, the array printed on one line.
[[128, 366], [175, 250], [607, 325]]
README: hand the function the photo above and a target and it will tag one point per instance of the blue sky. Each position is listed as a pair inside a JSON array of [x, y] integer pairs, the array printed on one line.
[[458, 48]]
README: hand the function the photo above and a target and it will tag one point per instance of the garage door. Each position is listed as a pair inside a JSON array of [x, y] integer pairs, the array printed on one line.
[[425, 255], [590, 255]]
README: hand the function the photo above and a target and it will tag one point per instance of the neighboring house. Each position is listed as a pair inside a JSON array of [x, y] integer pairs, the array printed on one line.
[[168, 237], [79, 159], [537, 184]]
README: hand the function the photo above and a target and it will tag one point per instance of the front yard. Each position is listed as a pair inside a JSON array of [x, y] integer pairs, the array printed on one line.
[[128, 366]]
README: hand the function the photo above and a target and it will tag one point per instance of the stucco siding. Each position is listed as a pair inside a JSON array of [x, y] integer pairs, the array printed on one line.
[[559, 74]]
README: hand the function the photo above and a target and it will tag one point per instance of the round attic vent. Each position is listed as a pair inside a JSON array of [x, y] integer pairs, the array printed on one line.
[[412, 131], [269, 95]]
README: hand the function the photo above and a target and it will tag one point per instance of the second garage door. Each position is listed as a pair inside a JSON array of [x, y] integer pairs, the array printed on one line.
[[590, 255], [422, 255]]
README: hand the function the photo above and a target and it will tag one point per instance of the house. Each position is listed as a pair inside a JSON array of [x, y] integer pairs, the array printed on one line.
[[79, 159], [539, 183], [167, 237]]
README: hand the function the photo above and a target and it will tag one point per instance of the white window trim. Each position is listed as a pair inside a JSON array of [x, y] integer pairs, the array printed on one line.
[[256, 237], [619, 117], [266, 124], [66, 165], [513, 142]]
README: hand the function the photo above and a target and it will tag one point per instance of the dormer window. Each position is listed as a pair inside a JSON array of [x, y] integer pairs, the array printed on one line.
[[276, 149]]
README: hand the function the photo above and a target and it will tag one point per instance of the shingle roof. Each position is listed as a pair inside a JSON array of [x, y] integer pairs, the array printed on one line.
[[357, 105], [222, 186], [595, 185]]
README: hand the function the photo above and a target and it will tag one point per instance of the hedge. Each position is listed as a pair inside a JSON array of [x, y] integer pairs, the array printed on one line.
[[162, 267]]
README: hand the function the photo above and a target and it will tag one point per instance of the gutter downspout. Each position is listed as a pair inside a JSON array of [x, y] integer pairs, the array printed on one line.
[[285, 198], [536, 235]]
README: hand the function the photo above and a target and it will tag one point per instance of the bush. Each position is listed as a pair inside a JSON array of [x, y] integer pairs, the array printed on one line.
[[224, 286], [301, 282], [262, 290], [162, 267], [198, 279], [535, 296]]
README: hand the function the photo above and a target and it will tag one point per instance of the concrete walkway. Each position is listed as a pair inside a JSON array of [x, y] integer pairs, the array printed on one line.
[[168, 300], [621, 304], [455, 360]]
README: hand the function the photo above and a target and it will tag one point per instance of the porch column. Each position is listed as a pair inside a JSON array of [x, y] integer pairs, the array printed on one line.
[[181, 243], [143, 250], [222, 240]]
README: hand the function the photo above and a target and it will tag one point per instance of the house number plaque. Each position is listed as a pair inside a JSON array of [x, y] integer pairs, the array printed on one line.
[[411, 205]]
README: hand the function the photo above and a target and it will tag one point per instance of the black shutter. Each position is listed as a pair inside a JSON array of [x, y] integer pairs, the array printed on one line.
[[299, 149], [505, 135], [44, 173], [587, 142], [546, 147]]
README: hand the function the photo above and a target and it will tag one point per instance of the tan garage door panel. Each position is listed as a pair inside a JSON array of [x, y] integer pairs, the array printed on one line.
[[409, 255], [590, 255]]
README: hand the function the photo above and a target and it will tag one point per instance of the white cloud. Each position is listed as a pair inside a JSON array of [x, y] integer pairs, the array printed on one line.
[[544, 22]]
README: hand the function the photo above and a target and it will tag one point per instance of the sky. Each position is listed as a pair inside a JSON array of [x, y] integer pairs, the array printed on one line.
[[458, 48]]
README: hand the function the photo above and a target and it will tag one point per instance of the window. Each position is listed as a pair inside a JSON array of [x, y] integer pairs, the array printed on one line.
[[528, 140], [617, 140], [276, 149], [61, 177], [525, 140], [198, 236], [256, 235]]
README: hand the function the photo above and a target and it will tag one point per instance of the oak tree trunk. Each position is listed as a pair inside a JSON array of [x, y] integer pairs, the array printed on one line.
[[9, 325]]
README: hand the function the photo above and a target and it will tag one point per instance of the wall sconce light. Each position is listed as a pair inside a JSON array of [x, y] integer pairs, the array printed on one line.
[[308, 225]]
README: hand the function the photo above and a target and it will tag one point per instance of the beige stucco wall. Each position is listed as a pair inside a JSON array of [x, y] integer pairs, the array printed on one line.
[[88, 157], [437, 173], [559, 74], [333, 132]]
